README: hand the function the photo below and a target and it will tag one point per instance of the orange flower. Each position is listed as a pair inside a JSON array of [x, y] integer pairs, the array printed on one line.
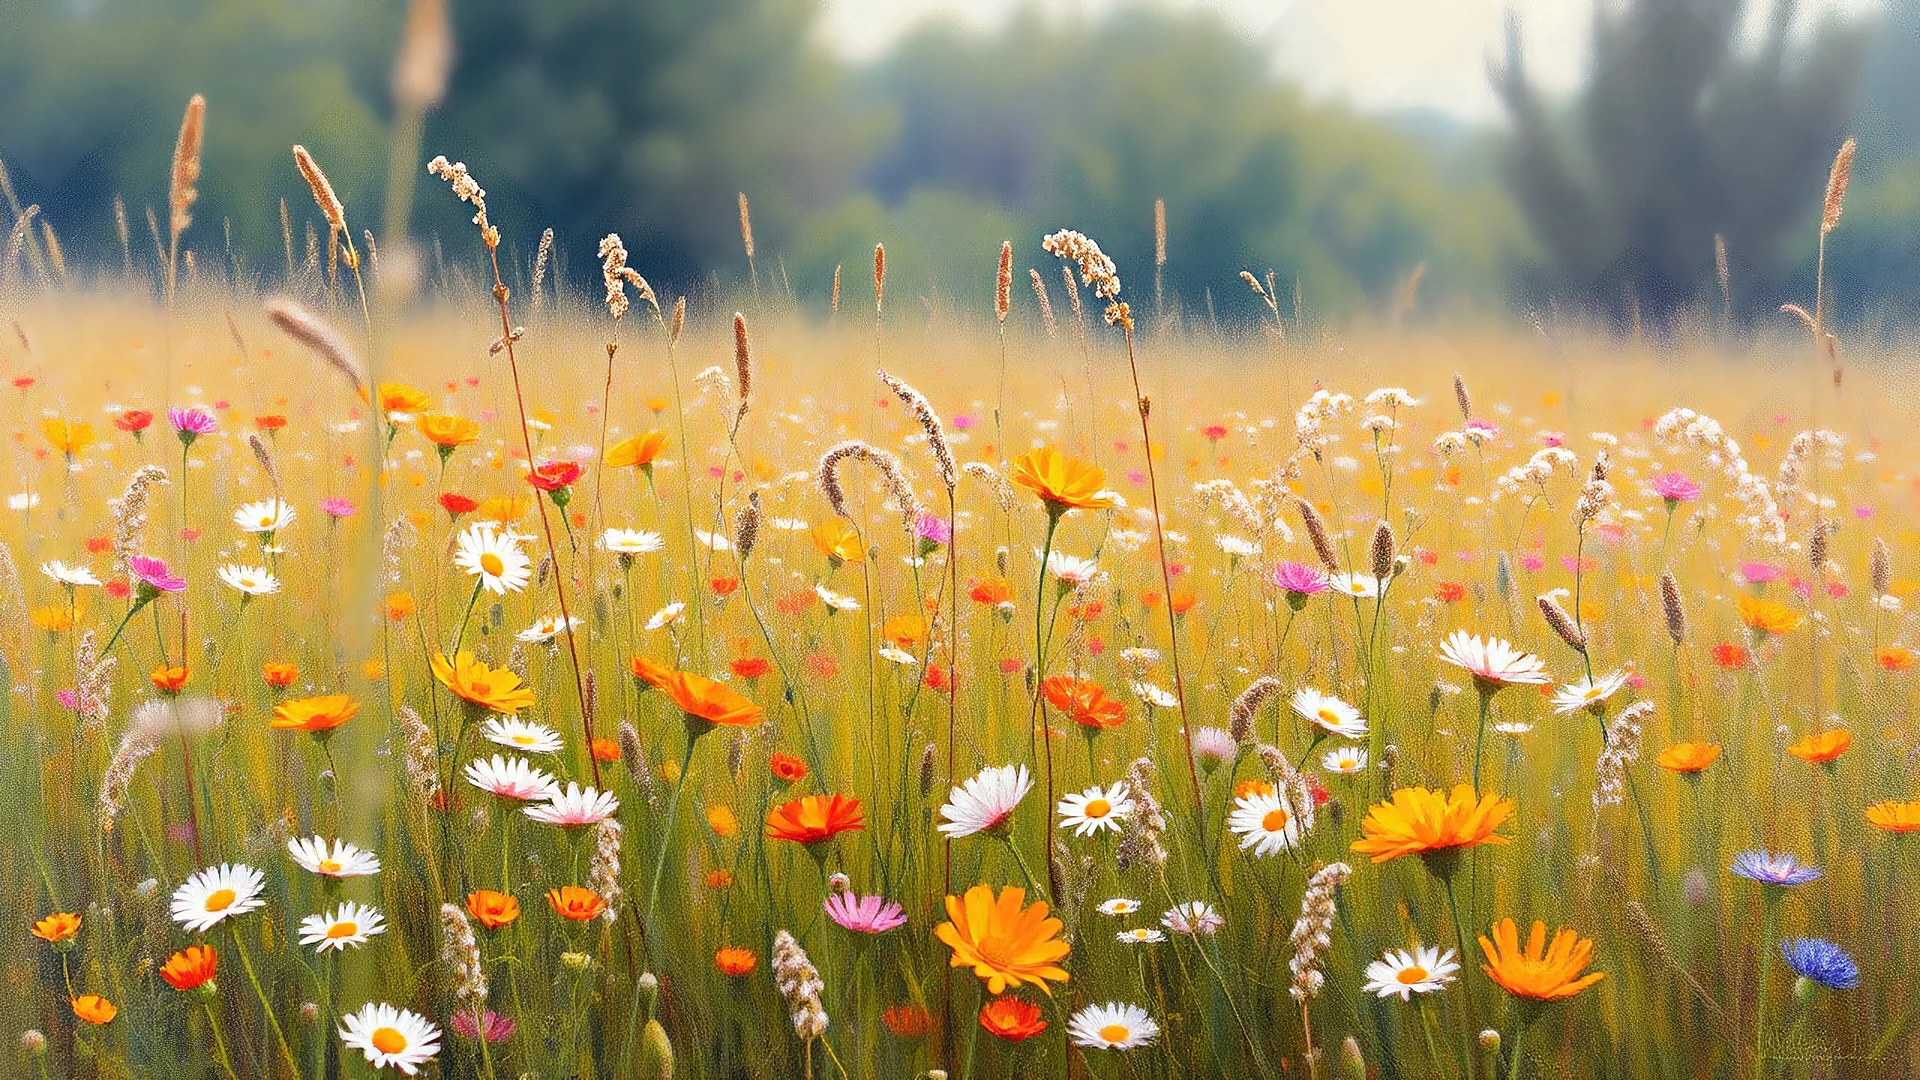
[[1084, 702], [991, 591], [1730, 656], [1250, 786], [94, 1009], [786, 768], [278, 675], [1451, 592], [447, 432], [169, 680], [67, 436], [53, 618], [838, 541], [1895, 817], [315, 714], [576, 903], [492, 910], [400, 606], [1894, 658], [606, 750], [905, 630], [1542, 972], [1765, 616], [1061, 482], [1420, 821], [634, 450], [270, 423], [57, 928], [724, 587], [1822, 746], [735, 962], [707, 703], [401, 398], [1012, 1018], [649, 672], [1688, 757], [497, 689], [719, 879], [1004, 942], [907, 1021], [722, 820], [190, 968], [815, 819]]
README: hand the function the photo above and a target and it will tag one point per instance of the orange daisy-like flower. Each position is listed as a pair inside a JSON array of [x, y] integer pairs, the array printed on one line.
[[400, 606], [1062, 482], [1768, 616], [1084, 702], [59, 927], [401, 398], [1895, 658], [735, 962], [991, 591], [815, 819], [67, 436], [497, 689], [1012, 1018], [1895, 817], [636, 450], [278, 675], [905, 630], [94, 1009], [907, 1021], [1543, 972], [1006, 943], [446, 431], [491, 909], [1822, 746], [315, 714], [839, 541], [786, 768], [169, 680], [1420, 821], [1688, 757], [606, 750], [713, 703], [576, 903], [190, 968]]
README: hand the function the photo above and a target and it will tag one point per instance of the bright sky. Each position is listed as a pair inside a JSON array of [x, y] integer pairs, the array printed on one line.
[[1375, 54]]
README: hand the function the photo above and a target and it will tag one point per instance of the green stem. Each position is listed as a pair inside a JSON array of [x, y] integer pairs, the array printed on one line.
[[246, 964]]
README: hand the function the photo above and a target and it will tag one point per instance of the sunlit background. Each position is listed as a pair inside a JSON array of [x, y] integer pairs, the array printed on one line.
[[1412, 158]]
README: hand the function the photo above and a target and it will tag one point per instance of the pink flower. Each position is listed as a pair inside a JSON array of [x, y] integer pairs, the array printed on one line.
[[1759, 573], [1135, 476], [190, 423], [69, 699], [932, 527], [1481, 430], [153, 574], [1294, 577], [497, 1028], [336, 507], [1675, 488], [1553, 438], [1836, 589], [1863, 512], [865, 914], [963, 422], [1532, 562]]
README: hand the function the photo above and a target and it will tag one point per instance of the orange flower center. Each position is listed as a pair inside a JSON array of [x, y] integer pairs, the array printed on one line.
[[1097, 808], [492, 564], [1411, 975], [221, 899], [1115, 1033], [328, 866], [388, 1040], [345, 929], [1275, 820]]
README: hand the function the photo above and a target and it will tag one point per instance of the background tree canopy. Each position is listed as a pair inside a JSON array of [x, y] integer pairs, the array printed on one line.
[[591, 116]]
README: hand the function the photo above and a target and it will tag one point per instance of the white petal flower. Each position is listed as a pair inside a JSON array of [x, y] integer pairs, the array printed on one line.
[[389, 1036], [985, 800], [216, 894]]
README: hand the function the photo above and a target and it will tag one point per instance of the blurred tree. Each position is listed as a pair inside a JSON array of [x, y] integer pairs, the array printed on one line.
[[1676, 137]]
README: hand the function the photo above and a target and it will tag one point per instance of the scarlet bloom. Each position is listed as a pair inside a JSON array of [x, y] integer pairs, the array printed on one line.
[[134, 420], [786, 768], [58, 927], [606, 750], [270, 422], [575, 903], [815, 819], [907, 1021], [735, 962], [1012, 1018], [1688, 757], [492, 910], [278, 675], [724, 587], [169, 680], [553, 475], [1183, 601], [1061, 482], [1084, 702], [750, 667], [315, 714], [1450, 592], [1823, 746], [456, 504], [1730, 656], [991, 591], [190, 968]]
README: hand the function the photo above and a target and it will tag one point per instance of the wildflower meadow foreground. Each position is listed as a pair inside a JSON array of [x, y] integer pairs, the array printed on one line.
[[520, 682]]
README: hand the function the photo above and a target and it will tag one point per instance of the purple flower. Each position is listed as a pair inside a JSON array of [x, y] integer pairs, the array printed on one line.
[[1675, 488], [865, 914], [1769, 869], [190, 423], [1759, 573], [1821, 961], [154, 575], [498, 1028], [1295, 577], [336, 507], [932, 528]]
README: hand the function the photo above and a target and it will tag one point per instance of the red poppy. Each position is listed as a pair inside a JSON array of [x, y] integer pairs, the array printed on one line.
[[786, 768], [553, 475], [271, 422], [1084, 702], [1451, 591], [133, 420], [457, 504], [724, 587], [1730, 656], [751, 667]]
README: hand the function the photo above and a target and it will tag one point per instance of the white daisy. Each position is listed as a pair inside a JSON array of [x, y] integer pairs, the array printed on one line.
[[1264, 823], [985, 800], [546, 628], [341, 860], [1346, 761], [1095, 810], [1119, 905], [1421, 971], [1154, 696], [350, 924], [834, 600], [631, 542], [713, 541], [527, 736], [1587, 692], [26, 500], [511, 778], [1329, 713], [216, 894], [1193, 917], [575, 807], [1493, 663], [1113, 1026], [1071, 569], [668, 615], [69, 576], [251, 580], [1357, 585], [494, 557], [267, 515], [388, 1036], [897, 655], [1141, 935], [1236, 547]]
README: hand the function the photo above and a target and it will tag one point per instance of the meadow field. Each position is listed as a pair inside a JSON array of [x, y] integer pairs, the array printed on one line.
[[515, 681]]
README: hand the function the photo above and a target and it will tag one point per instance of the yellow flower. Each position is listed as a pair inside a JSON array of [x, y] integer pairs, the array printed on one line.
[[1061, 482], [721, 819], [53, 618], [58, 927], [635, 450], [68, 436], [1542, 972], [1005, 944], [1419, 821], [314, 714], [839, 541], [94, 1009], [401, 398], [1893, 817], [447, 431], [1768, 616], [1822, 747], [497, 689], [1688, 757]]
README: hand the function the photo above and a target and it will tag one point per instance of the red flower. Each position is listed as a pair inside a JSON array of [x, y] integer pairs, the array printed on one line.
[[119, 589], [786, 768], [1450, 591], [273, 422], [751, 667], [724, 587], [99, 545], [1084, 702], [1012, 1018], [553, 475], [457, 504], [607, 750], [1731, 656], [133, 420]]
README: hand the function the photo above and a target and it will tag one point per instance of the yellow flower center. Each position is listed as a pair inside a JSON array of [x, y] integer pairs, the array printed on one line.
[[1275, 820], [328, 866], [388, 1040], [524, 740], [266, 520], [1411, 975], [1115, 1033], [1097, 808], [221, 900], [492, 564], [1329, 717], [344, 929]]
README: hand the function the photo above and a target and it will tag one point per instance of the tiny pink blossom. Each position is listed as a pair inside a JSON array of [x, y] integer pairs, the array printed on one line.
[[1296, 577], [865, 914], [189, 422], [1532, 562], [1759, 573], [1675, 488], [336, 507], [498, 1029]]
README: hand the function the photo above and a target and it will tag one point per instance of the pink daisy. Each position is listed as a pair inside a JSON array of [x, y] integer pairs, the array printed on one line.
[[865, 914]]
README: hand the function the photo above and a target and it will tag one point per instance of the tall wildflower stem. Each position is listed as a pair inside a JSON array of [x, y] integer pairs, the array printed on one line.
[[1460, 940], [1770, 919], [1037, 718], [280, 1036], [666, 837]]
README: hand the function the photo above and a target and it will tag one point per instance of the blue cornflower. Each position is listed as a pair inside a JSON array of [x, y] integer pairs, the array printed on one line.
[[1821, 961], [1769, 869]]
